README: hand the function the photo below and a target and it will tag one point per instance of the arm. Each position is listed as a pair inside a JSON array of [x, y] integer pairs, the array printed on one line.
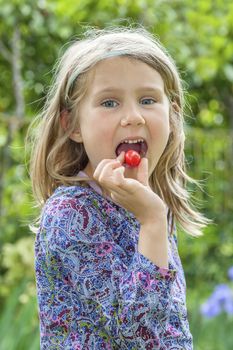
[[152, 243], [129, 302], [137, 197]]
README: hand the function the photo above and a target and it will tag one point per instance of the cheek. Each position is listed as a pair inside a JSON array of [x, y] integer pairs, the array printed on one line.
[[106, 132], [161, 128]]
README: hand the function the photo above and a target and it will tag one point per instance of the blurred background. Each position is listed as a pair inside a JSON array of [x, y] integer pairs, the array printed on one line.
[[198, 34]]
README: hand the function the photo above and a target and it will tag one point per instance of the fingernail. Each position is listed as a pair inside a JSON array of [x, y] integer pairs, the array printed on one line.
[[121, 155]]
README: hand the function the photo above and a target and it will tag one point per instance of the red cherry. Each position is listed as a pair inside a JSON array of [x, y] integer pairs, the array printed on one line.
[[132, 158]]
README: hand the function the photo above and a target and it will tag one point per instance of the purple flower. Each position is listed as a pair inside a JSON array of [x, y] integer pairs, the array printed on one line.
[[228, 306], [221, 293], [220, 300], [210, 309], [230, 273]]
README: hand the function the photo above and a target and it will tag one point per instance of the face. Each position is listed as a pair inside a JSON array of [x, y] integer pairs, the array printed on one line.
[[125, 99]]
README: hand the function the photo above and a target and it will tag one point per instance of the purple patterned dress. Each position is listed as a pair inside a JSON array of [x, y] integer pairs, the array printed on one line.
[[95, 290]]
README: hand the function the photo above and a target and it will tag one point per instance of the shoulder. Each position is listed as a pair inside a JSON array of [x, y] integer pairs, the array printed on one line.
[[76, 212], [69, 199], [69, 203], [67, 193], [84, 199]]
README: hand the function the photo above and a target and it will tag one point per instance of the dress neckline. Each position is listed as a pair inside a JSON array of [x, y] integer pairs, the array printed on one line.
[[92, 184]]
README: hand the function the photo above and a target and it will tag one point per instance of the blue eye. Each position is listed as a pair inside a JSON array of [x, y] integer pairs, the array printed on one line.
[[148, 101], [109, 103]]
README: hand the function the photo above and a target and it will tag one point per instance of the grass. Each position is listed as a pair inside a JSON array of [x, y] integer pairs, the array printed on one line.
[[208, 334], [19, 328]]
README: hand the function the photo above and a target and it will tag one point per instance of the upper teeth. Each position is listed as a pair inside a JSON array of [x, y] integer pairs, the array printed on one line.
[[133, 141]]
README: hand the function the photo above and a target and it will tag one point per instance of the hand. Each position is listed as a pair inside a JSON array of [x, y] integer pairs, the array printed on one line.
[[134, 195]]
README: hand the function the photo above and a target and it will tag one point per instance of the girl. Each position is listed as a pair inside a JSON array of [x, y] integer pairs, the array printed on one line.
[[107, 267]]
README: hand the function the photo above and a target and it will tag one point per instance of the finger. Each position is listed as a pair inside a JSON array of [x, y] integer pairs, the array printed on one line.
[[107, 178], [100, 167], [121, 157], [112, 177], [118, 175], [121, 184], [119, 160], [114, 197], [109, 169], [142, 173]]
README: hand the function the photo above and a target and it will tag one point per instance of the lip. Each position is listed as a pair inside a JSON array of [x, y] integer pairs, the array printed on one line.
[[133, 138]]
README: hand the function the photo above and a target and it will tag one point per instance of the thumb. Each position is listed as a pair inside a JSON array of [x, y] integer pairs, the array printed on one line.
[[142, 174]]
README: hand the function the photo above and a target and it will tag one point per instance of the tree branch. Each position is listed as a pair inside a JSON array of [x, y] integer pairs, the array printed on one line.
[[17, 75]]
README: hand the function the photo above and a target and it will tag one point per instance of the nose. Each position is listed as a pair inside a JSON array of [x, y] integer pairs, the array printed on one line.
[[132, 116]]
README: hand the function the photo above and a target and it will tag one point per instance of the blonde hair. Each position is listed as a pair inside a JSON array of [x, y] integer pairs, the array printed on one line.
[[56, 159]]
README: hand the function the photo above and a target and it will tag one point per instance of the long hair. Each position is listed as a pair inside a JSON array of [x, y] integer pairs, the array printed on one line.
[[56, 159]]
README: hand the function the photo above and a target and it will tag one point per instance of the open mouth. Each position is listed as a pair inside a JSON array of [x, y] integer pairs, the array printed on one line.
[[140, 147]]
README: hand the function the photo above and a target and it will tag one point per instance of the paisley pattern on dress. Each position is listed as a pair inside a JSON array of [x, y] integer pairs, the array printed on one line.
[[95, 290]]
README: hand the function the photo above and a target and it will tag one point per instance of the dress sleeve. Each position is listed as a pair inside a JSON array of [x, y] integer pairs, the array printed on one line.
[[128, 304]]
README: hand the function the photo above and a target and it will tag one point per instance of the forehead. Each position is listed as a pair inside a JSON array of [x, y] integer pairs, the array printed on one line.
[[123, 71]]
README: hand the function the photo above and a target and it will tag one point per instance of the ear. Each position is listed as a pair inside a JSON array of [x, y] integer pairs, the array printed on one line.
[[76, 136], [64, 120], [174, 113], [175, 107]]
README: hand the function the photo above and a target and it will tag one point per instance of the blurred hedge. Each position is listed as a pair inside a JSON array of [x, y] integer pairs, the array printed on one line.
[[198, 34], [205, 259]]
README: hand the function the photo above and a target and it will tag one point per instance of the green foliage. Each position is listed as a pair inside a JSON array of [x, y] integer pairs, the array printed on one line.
[[198, 34], [208, 334], [17, 260], [16, 202], [19, 320]]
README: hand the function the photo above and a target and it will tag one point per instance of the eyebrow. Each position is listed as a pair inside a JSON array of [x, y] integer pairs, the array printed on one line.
[[143, 88]]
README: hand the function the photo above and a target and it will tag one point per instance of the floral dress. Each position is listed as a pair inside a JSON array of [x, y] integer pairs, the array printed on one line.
[[95, 290]]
